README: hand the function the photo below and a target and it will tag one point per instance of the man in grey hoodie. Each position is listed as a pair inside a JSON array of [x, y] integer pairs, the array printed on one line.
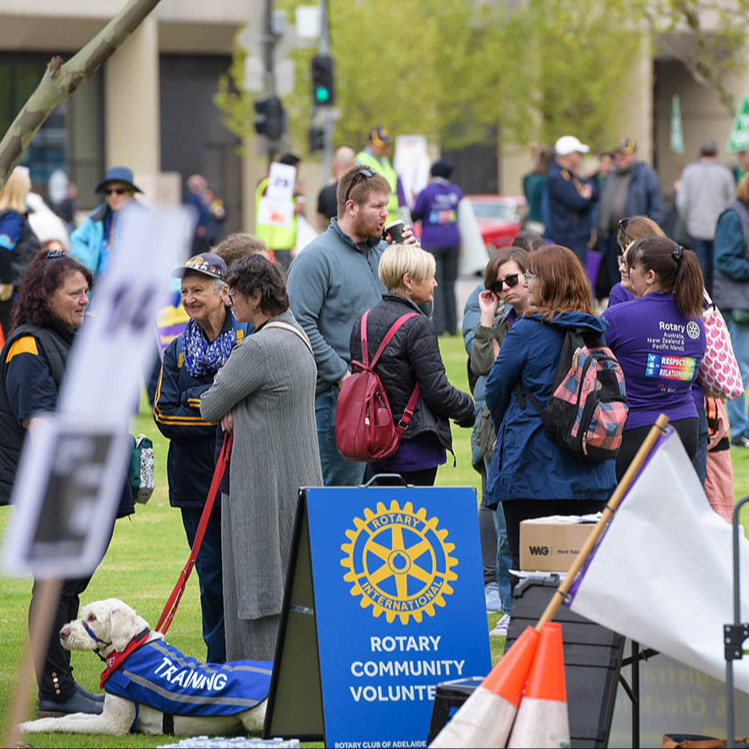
[[332, 283], [705, 189]]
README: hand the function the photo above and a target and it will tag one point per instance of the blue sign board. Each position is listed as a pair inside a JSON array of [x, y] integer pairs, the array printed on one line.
[[398, 604]]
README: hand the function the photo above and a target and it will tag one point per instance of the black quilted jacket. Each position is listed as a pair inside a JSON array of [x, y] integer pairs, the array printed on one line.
[[413, 356]]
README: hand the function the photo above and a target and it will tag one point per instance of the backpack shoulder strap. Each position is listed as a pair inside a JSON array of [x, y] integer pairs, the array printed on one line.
[[389, 335]]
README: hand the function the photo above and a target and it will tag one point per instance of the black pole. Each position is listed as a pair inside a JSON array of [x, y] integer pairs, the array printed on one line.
[[730, 721], [635, 651]]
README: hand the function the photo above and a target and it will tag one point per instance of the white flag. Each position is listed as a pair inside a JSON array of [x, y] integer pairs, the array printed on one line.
[[663, 572]]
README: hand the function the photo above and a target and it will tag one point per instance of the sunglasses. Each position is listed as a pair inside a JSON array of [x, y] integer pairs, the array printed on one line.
[[115, 191], [365, 173], [53, 254], [528, 275], [511, 281]]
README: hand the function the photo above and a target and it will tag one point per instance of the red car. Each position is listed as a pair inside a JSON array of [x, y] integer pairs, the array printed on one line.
[[499, 218]]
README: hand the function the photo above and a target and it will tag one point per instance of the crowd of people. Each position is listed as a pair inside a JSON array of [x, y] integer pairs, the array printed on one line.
[[263, 354]]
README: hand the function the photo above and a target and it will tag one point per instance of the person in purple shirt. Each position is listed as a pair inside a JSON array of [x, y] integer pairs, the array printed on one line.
[[437, 208], [659, 340]]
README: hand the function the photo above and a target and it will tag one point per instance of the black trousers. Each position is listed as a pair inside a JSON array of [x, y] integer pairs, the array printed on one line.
[[517, 510], [687, 429], [445, 315], [55, 677]]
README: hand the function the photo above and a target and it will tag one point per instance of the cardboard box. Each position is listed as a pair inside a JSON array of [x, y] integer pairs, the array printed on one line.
[[551, 544]]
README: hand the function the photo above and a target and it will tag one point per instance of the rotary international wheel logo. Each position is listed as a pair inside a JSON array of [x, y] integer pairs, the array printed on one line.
[[399, 562]]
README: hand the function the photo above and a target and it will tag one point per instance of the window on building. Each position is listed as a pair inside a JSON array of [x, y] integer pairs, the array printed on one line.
[[71, 138]]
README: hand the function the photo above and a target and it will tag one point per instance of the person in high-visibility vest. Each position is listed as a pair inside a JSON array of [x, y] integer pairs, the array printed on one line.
[[280, 240], [375, 156]]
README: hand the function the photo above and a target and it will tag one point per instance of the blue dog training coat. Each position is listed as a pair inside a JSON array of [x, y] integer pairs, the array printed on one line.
[[160, 676]]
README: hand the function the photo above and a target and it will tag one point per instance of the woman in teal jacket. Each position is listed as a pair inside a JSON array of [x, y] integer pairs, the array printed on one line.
[[93, 241], [530, 474]]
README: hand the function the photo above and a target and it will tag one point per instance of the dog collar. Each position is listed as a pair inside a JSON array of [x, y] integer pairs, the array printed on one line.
[[91, 634], [115, 660]]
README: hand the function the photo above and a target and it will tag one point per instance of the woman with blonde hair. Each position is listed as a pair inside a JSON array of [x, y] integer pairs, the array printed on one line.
[[412, 357], [530, 474], [18, 243]]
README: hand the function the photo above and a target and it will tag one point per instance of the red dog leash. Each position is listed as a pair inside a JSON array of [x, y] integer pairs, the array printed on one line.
[[172, 603]]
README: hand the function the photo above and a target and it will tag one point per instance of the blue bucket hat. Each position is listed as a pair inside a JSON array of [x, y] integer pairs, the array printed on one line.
[[118, 174]]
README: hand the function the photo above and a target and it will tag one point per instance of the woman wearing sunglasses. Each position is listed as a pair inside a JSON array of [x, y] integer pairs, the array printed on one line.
[[502, 302], [93, 242]]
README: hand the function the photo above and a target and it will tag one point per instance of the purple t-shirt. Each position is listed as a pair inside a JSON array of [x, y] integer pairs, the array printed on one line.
[[413, 455], [659, 350], [619, 294], [437, 207]]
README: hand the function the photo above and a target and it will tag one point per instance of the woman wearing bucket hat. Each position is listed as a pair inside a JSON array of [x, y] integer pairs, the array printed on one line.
[[93, 242]]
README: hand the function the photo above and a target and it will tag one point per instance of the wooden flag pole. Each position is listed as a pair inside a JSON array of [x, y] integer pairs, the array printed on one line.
[[40, 628], [641, 456]]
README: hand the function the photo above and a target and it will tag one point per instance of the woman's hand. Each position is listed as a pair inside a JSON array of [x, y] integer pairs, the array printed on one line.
[[227, 422], [488, 304]]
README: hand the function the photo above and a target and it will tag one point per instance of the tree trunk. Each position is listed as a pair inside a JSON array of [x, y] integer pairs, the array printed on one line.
[[62, 79]]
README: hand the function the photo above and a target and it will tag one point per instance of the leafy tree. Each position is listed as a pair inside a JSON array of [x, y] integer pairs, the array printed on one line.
[[535, 69]]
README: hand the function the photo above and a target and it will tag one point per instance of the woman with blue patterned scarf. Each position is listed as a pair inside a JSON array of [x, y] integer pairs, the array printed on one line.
[[191, 361]]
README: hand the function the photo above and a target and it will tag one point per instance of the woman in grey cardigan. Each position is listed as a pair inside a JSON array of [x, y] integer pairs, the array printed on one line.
[[265, 394]]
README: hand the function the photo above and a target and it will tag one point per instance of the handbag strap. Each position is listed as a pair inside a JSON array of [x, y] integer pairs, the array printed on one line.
[[170, 609], [298, 333]]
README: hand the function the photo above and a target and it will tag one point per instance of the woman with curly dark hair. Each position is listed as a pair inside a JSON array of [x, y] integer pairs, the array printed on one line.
[[50, 308]]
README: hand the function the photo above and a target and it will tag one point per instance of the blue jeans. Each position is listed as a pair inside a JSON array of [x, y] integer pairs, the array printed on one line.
[[703, 248], [210, 576], [336, 470], [504, 560], [737, 409]]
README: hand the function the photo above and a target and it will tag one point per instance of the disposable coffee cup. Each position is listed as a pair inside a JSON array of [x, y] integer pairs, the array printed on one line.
[[393, 232]]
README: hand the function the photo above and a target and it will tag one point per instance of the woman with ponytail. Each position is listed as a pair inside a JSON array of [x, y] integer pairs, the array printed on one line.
[[659, 340]]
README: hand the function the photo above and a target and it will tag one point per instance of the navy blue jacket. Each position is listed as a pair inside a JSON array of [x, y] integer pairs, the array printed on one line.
[[192, 441], [644, 197], [570, 214], [527, 464]]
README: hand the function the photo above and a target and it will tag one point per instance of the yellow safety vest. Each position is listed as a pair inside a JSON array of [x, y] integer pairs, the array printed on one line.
[[276, 237], [385, 168]]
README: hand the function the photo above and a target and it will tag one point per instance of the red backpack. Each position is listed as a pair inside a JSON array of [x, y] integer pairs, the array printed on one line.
[[364, 426]]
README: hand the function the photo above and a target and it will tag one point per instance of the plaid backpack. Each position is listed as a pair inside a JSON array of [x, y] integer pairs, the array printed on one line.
[[587, 410], [364, 426]]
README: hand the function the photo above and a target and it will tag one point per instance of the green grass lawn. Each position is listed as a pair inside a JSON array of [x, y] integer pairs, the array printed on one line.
[[149, 550]]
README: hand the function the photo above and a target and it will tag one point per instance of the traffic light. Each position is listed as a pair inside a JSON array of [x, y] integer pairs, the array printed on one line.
[[323, 90], [271, 119], [316, 136]]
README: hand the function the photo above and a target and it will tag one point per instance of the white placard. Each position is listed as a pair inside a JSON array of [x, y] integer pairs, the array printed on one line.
[[281, 181], [66, 496], [412, 163], [115, 344], [278, 213]]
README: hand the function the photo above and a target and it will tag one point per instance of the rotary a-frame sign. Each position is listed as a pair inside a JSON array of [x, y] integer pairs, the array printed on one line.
[[385, 599]]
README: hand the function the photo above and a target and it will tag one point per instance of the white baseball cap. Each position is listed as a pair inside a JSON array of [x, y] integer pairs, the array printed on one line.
[[568, 144]]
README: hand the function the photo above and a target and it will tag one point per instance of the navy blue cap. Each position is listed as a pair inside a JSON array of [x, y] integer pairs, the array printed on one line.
[[207, 263], [118, 174]]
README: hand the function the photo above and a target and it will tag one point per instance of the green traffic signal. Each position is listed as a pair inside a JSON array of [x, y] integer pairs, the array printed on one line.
[[321, 94]]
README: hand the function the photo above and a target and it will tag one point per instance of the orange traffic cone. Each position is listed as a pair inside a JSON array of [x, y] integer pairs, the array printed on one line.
[[485, 719], [542, 719]]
